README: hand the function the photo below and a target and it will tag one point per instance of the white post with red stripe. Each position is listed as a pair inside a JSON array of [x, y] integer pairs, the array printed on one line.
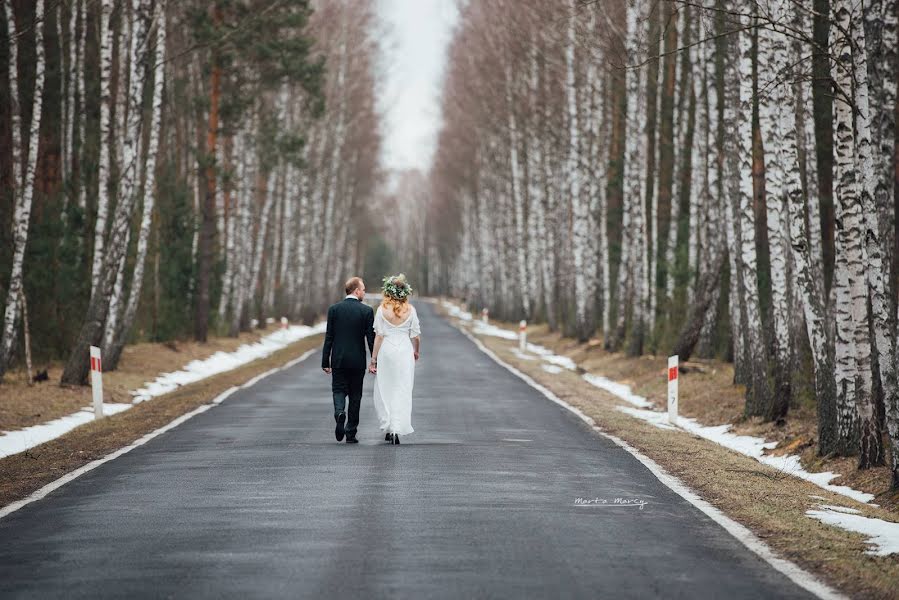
[[485, 315], [522, 335], [97, 382], [283, 322], [672, 389]]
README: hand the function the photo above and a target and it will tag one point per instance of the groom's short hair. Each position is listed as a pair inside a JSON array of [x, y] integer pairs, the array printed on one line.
[[353, 284]]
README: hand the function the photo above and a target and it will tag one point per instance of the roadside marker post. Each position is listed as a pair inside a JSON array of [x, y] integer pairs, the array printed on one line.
[[672, 389], [485, 315], [97, 382], [522, 335], [283, 322]]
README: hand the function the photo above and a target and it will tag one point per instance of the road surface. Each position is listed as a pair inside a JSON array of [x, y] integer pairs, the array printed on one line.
[[255, 499]]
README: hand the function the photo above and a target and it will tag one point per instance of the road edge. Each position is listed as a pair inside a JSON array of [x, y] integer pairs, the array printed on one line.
[[44, 491], [804, 579]]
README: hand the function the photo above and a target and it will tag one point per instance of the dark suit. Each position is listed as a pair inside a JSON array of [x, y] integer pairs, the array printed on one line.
[[350, 325]]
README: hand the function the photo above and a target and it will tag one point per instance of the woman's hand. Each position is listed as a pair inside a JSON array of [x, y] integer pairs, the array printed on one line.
[[415, 354]]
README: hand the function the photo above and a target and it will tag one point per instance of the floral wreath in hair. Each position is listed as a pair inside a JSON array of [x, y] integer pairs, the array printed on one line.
[[396, 287]]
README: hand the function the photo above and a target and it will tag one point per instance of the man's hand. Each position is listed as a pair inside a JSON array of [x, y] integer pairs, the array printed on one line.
[[327, 370]]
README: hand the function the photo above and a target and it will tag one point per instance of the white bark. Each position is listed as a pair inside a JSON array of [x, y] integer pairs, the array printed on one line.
[[848, 275], [873, 264], [580, 226], [24, 183], [773, 65], [758, 401], [105, 163]]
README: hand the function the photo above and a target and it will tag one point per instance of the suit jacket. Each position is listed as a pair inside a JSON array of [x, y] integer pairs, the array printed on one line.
[[350, 324]]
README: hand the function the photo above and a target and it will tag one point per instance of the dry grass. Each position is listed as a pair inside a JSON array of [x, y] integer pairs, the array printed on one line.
[[767, 501], [23, 473], [22, 405]]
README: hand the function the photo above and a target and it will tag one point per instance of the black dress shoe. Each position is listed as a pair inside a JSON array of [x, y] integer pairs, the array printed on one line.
[[388, 437], [352, 440], [338, 431], [396, 439]]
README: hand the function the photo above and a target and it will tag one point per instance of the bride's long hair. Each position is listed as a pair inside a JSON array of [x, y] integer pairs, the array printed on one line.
[[396, 292]]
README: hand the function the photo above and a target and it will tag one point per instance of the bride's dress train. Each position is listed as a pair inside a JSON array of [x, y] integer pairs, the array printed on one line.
[[396, 373]]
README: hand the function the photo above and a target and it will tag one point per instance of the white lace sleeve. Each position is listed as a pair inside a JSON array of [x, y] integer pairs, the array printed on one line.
[[415, 328], [379, 322]]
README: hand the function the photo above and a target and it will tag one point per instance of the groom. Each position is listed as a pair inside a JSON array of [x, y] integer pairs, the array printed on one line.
[[350, 324]]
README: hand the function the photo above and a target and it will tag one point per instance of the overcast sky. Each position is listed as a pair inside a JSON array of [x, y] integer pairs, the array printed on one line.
[[415, 36]]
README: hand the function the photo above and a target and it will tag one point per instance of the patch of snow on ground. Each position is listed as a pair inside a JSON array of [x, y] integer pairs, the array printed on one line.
[[552, 369], [225, 361], [521, 355], [619, 389], [843, 509], [547, 355], [753, 447], [13, 442], [482, 328], [882, 535], [652, 417], [455, 311]]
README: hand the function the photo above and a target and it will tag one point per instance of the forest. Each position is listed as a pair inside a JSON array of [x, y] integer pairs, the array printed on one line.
[[702, 178], [177, 169], [712, 179]]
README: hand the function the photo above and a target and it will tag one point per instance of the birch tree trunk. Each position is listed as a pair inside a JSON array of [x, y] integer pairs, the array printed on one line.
[[23, 173], [104, 165], [772, 64], [871, 441], [758, 394], [114, 351], [849, 282], [579, 232]]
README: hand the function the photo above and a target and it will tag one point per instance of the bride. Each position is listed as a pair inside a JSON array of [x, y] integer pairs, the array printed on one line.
[[397, 341]]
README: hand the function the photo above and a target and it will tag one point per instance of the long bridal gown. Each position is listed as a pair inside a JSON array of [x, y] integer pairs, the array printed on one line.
[[396, 372]]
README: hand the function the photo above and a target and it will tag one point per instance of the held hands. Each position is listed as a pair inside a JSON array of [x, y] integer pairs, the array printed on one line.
[[415, 353], [373, 367], [327, 370]]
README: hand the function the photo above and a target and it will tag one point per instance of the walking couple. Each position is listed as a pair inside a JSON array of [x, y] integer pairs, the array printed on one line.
[[393, 335]]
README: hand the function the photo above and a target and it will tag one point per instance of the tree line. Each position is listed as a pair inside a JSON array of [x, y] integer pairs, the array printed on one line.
[[708, 179], [168, 169]]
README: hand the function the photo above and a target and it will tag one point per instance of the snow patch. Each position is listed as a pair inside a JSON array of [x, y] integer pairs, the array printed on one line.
[[621, 390], [482, 328], [652, 417], [13, 442], [455, 311], [842, 509], [753, 447], [225, 361], [547, 355], [555, 370], [522, 355], [882, 535]]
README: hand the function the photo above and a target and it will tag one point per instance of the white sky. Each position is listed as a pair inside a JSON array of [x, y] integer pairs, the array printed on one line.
[[414, 35]]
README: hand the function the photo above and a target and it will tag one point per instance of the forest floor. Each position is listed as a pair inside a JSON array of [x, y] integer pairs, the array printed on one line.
[[23, 473], [772, 503], [25, 405]]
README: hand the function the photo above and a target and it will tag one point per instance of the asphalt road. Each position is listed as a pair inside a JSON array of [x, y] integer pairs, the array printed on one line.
[[255, 499]]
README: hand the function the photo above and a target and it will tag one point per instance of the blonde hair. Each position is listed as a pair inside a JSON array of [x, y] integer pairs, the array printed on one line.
[[392, 299]]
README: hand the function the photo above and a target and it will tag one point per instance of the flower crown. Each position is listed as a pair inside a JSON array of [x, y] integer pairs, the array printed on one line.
[[396, 287]]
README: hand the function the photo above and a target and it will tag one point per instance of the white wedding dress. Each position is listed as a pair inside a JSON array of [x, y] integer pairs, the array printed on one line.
[[396, 372]]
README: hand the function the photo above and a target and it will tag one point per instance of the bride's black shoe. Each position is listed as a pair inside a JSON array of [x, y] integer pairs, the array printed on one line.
[[396, 439], [388, 438]]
